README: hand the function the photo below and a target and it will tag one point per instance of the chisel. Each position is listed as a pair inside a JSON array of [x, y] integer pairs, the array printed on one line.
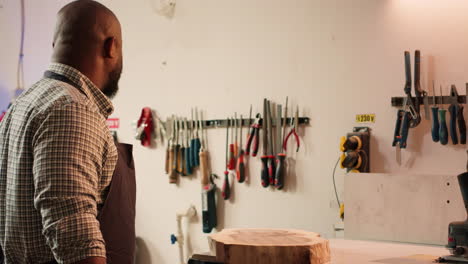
[[197, 144], [173, 156], [443, 133], [435, 116], [264, 158]]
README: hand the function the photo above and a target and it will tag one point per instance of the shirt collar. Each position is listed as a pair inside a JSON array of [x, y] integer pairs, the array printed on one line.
[[86, 86]]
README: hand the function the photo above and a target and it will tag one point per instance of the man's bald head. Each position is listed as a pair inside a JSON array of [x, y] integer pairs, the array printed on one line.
[[88, 37]]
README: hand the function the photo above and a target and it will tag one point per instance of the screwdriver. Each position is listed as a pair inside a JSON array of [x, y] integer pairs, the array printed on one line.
[[281, 157], [203, 157], [173, 155], [197, 144], [232, 156], [181, 151], [236, 145], [226, 191], [271, 154], [443, 134], [435, 117], [188, 166], [240, 169]]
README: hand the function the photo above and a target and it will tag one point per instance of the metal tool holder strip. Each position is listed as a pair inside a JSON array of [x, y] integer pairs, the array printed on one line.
[[462, 99], [245, 122]]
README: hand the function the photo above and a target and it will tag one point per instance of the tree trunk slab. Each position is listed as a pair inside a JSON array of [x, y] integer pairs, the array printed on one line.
[[269, 246]]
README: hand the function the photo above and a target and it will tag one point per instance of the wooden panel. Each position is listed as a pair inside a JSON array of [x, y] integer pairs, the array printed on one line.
[[404, 208]]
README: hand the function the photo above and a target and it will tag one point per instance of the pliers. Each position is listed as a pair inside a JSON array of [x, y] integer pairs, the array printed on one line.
[[456, 116], [254, 136], [295, 125]]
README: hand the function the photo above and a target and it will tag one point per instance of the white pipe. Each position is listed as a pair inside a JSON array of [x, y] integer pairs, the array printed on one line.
[[189, 213]]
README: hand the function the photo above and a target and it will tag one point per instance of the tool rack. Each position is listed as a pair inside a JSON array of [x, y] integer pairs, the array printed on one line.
[[245, 122], [462, 99]]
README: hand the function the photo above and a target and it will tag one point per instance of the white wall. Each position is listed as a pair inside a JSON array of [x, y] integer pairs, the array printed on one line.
[[333, 58]]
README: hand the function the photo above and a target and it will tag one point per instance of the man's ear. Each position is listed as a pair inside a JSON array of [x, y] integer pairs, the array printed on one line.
[[110, 48]]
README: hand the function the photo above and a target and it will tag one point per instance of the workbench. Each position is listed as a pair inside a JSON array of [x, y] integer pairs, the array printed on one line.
[[366, 252]]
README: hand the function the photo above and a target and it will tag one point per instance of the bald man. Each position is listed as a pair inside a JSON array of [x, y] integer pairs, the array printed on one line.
[[57, 157]]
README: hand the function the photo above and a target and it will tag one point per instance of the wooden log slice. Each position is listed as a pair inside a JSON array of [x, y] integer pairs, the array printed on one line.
[[269, 246]]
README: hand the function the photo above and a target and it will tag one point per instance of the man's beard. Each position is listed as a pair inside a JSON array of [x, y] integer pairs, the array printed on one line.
[[112, 86]]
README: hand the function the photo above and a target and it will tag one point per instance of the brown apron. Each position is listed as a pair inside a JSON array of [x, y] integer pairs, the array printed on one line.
[[117, 216]]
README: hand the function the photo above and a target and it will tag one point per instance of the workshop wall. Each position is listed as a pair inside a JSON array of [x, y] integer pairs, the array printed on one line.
[[334, 58]]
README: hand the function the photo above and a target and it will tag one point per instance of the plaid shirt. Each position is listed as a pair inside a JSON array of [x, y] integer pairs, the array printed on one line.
[[57, 158]]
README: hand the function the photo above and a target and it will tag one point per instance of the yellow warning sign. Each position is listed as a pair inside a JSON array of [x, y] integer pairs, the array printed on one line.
[[366, 118]]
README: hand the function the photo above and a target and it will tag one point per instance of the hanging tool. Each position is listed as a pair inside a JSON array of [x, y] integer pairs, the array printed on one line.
[[456, 117], [419, 92], [435, 116], [226, 191], [232, 156], [410, 104], [181, 153], [188, 166], [254, 137], [281, 157], [443, 131], [173, 154], [169, 131], [240, 168], [295, 125], [203, 156], [264, 158], [236, 143], [401, 128], [271, 153], [196, 142], [209, 217]]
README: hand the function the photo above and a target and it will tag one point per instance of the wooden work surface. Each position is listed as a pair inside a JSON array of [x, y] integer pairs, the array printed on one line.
[[370, 252], [269, 246]]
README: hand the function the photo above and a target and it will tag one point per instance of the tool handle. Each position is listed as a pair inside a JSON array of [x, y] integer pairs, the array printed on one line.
[[173, 158], [435, 124], [168, 161], [264, 176], [271, 169], [250, 138], [280, 171], [405, 123], [204, 168], [226, 191], [256, 142], [192, 153], [453, 124], [443, 133], [196, 151], [180, 160], [240, 169], [236, 149], [232, 158], [188, 165], [408, 83], [396, 134], [461, 125]]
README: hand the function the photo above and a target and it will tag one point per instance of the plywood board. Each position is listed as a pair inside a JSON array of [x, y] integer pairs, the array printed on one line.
[[401, 207]]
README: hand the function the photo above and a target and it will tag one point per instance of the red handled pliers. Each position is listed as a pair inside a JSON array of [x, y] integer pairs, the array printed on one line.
[[295, 125], [253, 137]]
